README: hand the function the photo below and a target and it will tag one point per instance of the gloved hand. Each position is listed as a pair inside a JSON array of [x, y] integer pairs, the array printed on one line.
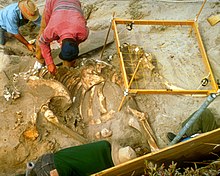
[[38, 65]]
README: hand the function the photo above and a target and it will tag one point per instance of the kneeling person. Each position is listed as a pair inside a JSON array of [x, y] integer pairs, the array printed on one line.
[[16, 15], [79, 160]]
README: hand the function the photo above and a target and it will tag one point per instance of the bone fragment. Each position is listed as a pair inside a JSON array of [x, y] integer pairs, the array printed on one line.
[[7, 94], [103, 62], [134, 123], [117, 79], [90, 110], [54, 120], [171, 86], [99, 67], [95, 121], [126, 154], [81, 102], [90, 78], [11, 93], [43, 73], [106, 133], [19, 119], [98, 135], [102, 99], [147, 61], [105, 117], [34, 77]]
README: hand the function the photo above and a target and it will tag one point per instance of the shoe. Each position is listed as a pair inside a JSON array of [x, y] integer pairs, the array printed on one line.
[[170, 136]]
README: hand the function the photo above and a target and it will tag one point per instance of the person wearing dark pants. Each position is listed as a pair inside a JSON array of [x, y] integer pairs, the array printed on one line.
[[79, 160], [206, 122], [2, 36]]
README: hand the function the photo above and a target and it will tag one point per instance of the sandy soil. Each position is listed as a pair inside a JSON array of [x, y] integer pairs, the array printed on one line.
[[86, 98]]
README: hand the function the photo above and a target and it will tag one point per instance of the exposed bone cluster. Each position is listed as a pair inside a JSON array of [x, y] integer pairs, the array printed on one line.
[[132, 54], [52, 118], [11, 92]]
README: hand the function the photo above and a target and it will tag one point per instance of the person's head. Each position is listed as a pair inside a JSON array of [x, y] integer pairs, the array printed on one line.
[[29, 10], [69, 50]]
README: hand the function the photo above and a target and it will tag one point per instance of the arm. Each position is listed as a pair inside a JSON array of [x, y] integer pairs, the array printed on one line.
[[21, 39], [43, 47], [44, 44], [11, 23]]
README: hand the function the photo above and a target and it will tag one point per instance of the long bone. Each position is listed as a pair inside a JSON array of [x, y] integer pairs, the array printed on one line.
[[149, 132], [50, 117]]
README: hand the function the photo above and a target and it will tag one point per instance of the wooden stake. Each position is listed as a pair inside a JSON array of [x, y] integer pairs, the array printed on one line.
[[106, 39], [197, 16]]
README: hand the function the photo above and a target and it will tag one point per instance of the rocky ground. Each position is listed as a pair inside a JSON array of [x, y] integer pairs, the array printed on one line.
[[85, 99]]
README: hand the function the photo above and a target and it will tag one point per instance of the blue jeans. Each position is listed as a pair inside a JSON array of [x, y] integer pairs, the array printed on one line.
[[2, 36]]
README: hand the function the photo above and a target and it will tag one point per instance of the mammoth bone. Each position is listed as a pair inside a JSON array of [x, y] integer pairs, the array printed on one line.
[[54, 89]]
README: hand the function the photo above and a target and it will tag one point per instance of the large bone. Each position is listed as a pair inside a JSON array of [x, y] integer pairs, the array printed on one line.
[[59, 90], [89, 79], [49, 115], [149, 132]]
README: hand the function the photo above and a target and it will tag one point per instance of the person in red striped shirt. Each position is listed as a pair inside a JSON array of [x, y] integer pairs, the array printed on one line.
[[62, 21]]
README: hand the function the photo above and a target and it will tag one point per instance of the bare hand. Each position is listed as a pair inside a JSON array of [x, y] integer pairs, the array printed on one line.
[[31, 47], [52, 69], [54, 173]]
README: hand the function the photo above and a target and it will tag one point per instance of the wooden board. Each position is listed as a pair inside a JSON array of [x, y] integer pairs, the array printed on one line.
[[196, 149], [214, 19]]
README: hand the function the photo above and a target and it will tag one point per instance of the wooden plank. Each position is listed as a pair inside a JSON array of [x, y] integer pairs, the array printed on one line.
[[199, 148], [214, 19]]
